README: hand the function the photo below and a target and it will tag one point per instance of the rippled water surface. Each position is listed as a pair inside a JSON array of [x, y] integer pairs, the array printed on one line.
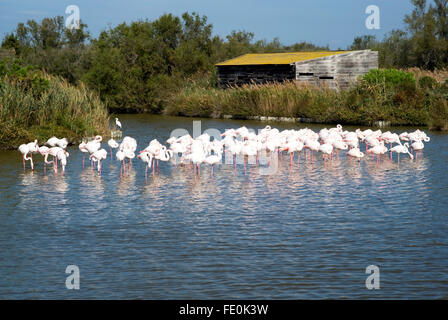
[[308, 231]]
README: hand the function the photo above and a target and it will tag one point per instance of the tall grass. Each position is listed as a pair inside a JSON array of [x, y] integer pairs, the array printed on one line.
[[60, 109], [440, 75], [364, 104]]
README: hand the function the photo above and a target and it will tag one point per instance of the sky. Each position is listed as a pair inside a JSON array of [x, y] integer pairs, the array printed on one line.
[[322, 22]]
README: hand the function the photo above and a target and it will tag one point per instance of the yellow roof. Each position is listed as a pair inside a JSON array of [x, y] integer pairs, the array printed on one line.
[[277, 58]]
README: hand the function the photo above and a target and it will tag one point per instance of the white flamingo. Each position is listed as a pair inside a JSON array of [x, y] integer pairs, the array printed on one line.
[[120, 156], [418, 145], [402, 148], [98, 156], [212, 160], [83, 148], [355, 153], [62, 156], [112, 145], [26, 149], [378, 150], [326, 149], [146, 157]]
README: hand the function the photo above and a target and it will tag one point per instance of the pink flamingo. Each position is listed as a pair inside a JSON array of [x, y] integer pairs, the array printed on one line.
[[98, 156], [26, 149], [83, 149], [112, 145]]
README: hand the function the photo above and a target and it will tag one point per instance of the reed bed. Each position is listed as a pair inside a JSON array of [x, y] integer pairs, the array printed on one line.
[[440, 75], [363, 104], [60, 109]]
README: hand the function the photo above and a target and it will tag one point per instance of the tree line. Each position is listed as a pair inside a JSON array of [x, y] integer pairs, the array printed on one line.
[[423, 44], [137, 66], [134, 66]]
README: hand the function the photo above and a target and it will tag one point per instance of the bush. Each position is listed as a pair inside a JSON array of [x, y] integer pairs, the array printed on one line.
[[427, 82], [439, 115], [397, 100], [34, 105], [390, 78]]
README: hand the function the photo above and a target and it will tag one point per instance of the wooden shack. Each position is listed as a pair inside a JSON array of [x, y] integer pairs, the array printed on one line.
[[335, 69]]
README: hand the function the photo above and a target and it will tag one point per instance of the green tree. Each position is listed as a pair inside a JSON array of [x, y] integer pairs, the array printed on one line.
[[11, 42], [195, 49], [364, 42], [52, 47], [394, 50]]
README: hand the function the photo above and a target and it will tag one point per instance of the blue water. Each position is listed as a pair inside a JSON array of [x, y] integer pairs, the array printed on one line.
[[307, 232]]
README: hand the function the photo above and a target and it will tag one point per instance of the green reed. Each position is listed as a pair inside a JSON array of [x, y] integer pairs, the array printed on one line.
[[60, 109]]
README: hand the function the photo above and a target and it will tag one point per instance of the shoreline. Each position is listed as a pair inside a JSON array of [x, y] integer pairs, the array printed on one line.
[[379, 124], [281, 120]]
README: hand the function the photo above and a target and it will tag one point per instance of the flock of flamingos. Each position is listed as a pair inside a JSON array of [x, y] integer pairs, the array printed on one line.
[[236, 142]]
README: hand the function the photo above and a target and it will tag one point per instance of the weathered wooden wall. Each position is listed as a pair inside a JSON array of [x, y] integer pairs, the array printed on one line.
[[239, 75], [338, 71]]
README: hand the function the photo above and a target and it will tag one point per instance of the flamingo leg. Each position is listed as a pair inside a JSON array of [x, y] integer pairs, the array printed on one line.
[[244, 160], [234, 157]]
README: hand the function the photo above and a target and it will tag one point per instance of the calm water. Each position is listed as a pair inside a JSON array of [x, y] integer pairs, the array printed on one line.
[[305, 232]]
